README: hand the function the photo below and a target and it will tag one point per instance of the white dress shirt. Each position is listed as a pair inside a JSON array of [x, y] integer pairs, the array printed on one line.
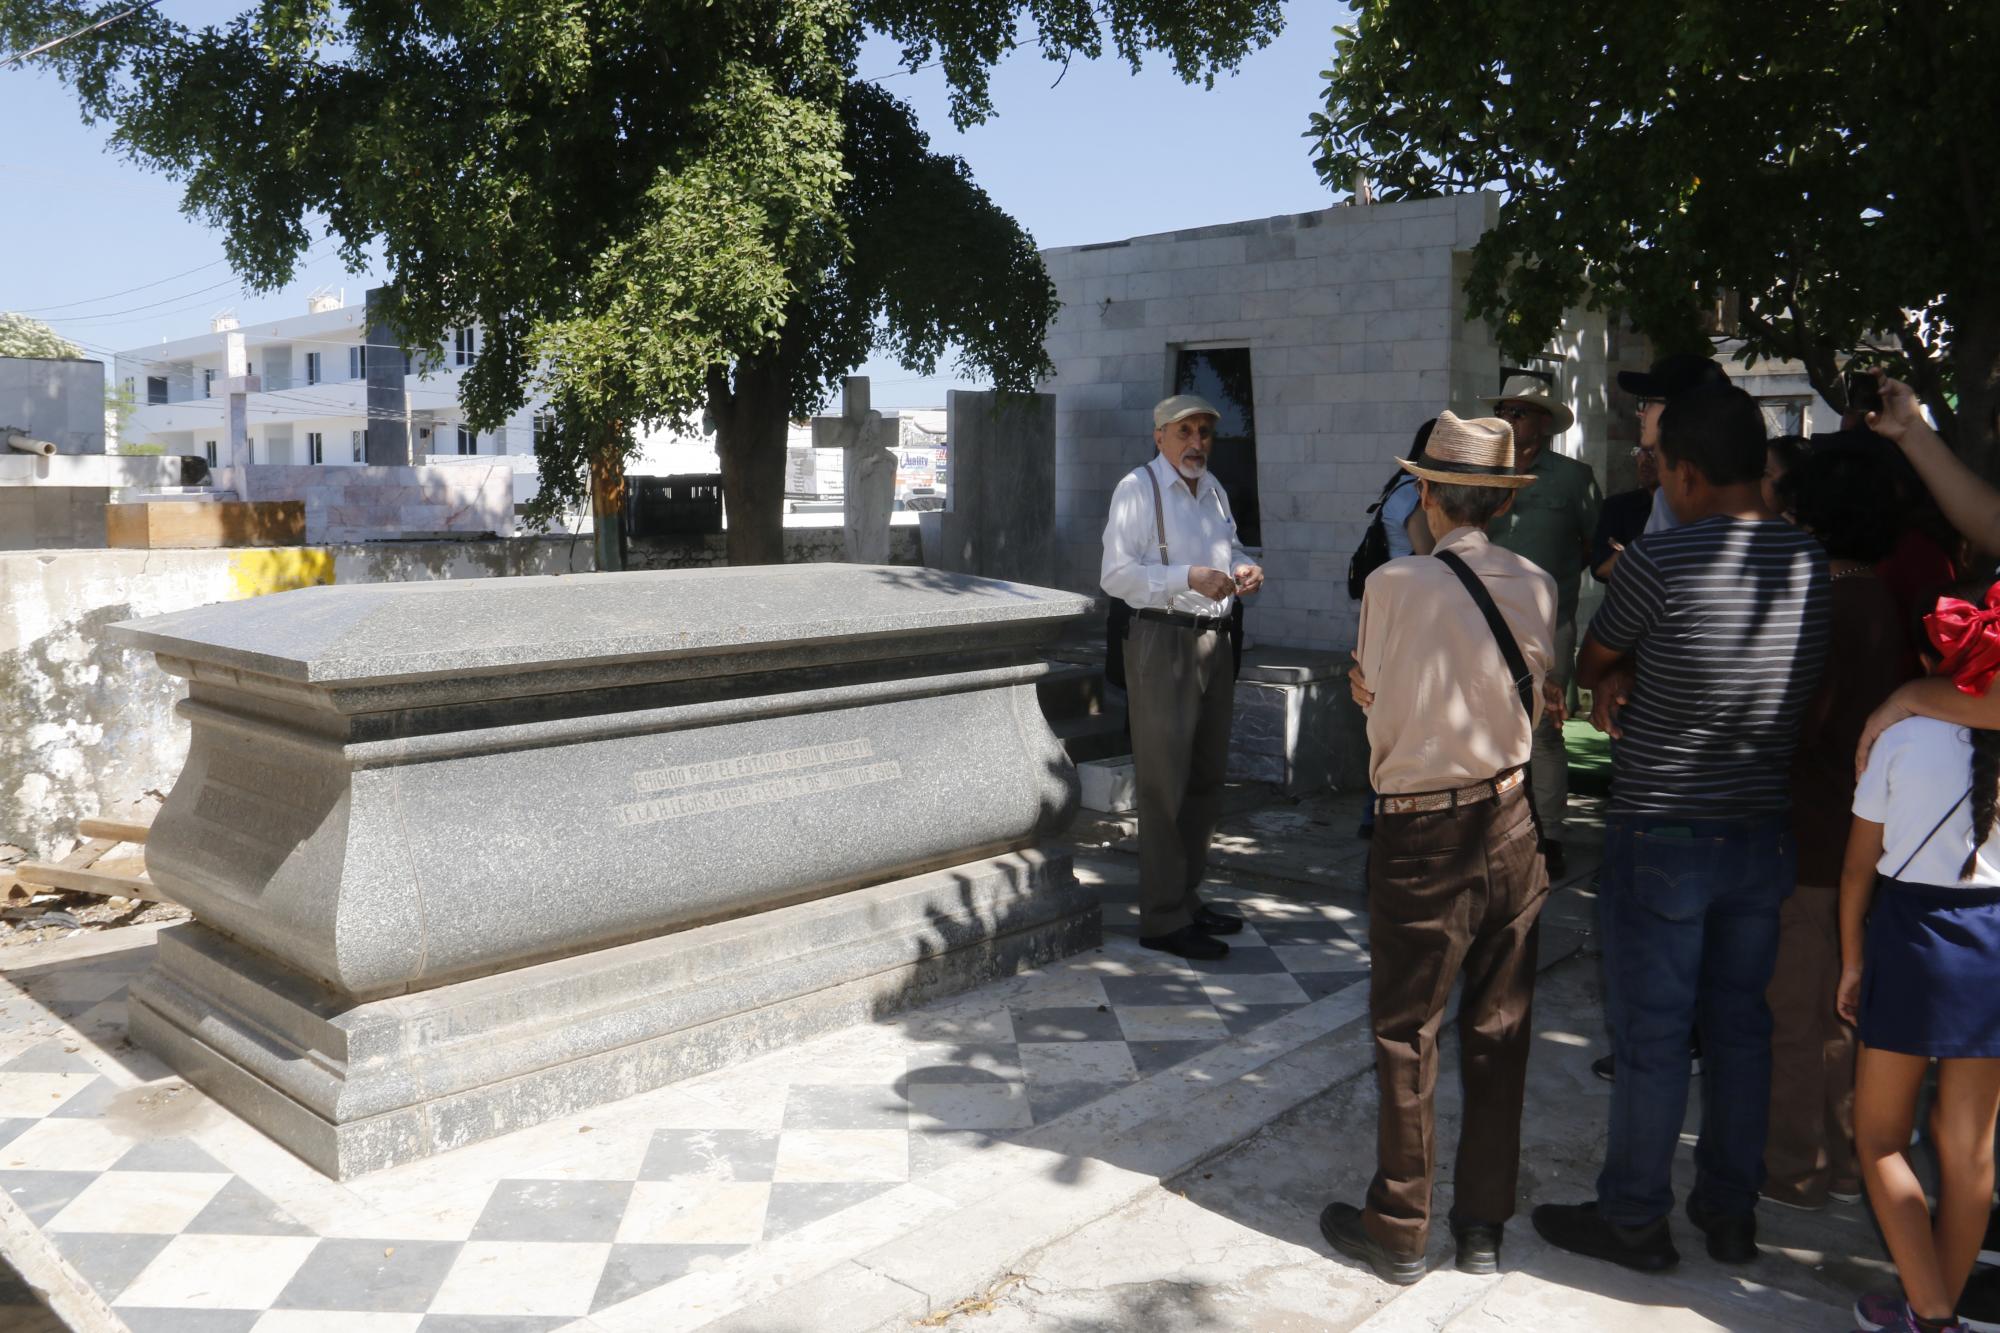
[[1200, 531]]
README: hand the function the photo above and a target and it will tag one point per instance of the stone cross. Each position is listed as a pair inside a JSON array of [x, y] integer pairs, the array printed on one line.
[[238, 385], [868, 440]]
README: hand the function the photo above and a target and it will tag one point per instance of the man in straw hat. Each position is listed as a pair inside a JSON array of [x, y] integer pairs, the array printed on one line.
[[1171, 553], [1553, 525], [1453, 650]]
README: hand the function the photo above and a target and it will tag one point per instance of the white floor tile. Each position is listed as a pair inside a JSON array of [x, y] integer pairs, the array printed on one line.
[[843, 1154], [335, 1321], [219, 1272], [159, 1203], [32, 1096], [969, 1106], [1254, 988], [1078, 1061], [522, 1278], [694, 1211], [65, 1145]]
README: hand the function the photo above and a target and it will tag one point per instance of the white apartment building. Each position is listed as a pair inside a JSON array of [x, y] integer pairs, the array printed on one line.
[[312, 402]]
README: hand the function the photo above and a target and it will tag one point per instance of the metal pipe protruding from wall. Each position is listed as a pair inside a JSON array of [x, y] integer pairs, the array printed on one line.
[[19, 440]]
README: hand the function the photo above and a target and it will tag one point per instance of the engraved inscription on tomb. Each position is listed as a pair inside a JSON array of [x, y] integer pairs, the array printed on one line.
[[777, 775]]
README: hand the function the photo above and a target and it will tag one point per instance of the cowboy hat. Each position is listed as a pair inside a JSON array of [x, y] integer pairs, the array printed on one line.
[[1479, 452], [1527, 389]]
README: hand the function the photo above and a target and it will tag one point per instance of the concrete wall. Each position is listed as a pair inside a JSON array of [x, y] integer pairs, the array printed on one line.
[[58, 401], [358, 504], [86, 725]]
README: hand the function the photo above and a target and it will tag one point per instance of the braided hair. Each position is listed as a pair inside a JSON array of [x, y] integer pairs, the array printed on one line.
[[1985, 788]]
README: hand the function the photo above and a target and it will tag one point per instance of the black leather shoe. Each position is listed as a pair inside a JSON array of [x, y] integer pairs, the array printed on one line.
[[1211, 922], [1605, 1067], [1732, 1237], [1576, 1227], [1478, 1246], [1341, 1224], [1187, 942], [1552, 855]]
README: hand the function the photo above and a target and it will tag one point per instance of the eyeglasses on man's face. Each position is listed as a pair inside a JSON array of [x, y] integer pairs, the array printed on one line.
[[1644, 451], [1517, 412]]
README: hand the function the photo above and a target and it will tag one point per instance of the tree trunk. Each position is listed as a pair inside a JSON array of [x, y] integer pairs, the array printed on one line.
[[607, 499], [750, 422]]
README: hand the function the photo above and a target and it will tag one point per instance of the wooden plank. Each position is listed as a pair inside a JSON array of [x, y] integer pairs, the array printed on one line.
[[86, 855], [118, 830], [75, 880], [208, 524]]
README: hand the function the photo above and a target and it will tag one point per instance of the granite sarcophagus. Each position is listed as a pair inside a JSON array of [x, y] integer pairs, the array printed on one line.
[[467, 855]]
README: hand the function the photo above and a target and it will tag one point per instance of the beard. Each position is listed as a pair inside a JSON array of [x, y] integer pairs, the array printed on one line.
[[1193, 465]]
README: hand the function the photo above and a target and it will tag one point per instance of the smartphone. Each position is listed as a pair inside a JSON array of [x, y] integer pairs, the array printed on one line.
[[1864, 392]]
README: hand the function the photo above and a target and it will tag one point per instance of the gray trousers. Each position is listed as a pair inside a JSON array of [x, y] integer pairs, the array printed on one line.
[[1550, 769], [1181, 688]]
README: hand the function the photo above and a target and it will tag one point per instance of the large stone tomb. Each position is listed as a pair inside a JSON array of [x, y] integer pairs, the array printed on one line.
[[466, 856]]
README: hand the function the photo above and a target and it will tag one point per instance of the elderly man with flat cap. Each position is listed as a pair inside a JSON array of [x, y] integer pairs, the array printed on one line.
[[1552, 524], [1171, 553], [1453, 651]]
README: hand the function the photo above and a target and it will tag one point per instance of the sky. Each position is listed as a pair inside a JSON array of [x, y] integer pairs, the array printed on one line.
[[98, 248]]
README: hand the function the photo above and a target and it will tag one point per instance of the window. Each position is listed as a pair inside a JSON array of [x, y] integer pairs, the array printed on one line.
[[315, 450], [130, 391], [544, 430], [1787, 416], [156, 389], [312, 367], [468, 441], [208, 448], [208, 384], [360, 445], [357, 363], [1222, 375], [466, 347]]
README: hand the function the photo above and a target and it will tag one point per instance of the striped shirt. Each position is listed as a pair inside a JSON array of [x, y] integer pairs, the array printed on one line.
[[1727, 619]]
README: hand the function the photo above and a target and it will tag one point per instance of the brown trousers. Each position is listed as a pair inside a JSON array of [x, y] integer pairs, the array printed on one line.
[[1181, 688], [1810, 1145], [1452, 893]]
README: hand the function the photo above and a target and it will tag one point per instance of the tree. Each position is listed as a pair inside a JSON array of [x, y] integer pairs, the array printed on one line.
[[1821, 173], [650, 207], [25, 337]]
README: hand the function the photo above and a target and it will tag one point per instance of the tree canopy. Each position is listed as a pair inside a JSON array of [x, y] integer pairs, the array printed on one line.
[[651, 208], [1821, 173], [25, 337]]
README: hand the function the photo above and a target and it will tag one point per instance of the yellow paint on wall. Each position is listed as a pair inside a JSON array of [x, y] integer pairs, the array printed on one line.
[[252, 573]]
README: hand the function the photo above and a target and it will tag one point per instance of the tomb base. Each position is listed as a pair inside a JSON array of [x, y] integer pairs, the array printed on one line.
[[353, 1087]]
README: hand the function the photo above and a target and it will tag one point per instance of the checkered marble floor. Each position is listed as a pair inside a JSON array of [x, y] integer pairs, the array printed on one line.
[[184, 1219]]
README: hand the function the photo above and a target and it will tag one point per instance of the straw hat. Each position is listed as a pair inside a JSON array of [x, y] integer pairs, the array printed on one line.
[[1527, 389], [1479, 452]]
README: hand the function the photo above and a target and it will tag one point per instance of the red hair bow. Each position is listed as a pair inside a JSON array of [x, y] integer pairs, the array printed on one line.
[[1969, 638]]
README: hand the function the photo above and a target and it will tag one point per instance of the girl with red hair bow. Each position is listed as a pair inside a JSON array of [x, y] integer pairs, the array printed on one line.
[[1920, 951]]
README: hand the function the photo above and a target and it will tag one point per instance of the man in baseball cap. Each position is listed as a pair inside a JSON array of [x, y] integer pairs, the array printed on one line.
[[1671, 376], [1171, 553]]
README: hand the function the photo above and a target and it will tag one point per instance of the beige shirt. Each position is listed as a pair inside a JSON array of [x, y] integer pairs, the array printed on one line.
[[1446, 712]]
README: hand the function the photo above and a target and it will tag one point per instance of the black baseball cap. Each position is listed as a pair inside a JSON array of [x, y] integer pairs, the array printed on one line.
[[1673, 375]]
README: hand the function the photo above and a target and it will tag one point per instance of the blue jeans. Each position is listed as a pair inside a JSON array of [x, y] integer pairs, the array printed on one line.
[[1689, 914]]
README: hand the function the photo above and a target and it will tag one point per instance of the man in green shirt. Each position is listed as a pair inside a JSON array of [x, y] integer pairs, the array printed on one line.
[[1551, 524]]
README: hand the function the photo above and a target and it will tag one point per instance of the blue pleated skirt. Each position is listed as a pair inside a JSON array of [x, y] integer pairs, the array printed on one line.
[[1931, 980]]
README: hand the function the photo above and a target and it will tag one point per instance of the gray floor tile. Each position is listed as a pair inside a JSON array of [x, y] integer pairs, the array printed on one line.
[[1049, 1100], [1304, 932], [1319, 985], [43, 1194], [844, 1106], [1154, 990], [1085, 1024], [11, 1128], [241, 1209], [90, 1103], [1152, 1056], [554, 1210], [108, 1261], [717, 1154], [384, 1275], [150, 1320], [795, 1205], [1253, 959], [935, 1149], [633, 1270], [167, 1155], [492, 1323], [968, 1064], [1241, 1018], [51, 1057]]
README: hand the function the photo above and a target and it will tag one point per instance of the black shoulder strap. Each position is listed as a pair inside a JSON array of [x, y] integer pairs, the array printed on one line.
[[1510, 649], [1932, 834], [1389, 490]]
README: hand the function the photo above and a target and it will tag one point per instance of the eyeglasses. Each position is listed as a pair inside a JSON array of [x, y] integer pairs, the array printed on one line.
[[1644, 451], [1517, 412]]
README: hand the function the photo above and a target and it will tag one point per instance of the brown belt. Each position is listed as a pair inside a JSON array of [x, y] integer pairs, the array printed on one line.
[[1424, 802]]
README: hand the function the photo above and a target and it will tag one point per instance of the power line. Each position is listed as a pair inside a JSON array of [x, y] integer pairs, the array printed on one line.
[[53, 43], [38, 310]]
